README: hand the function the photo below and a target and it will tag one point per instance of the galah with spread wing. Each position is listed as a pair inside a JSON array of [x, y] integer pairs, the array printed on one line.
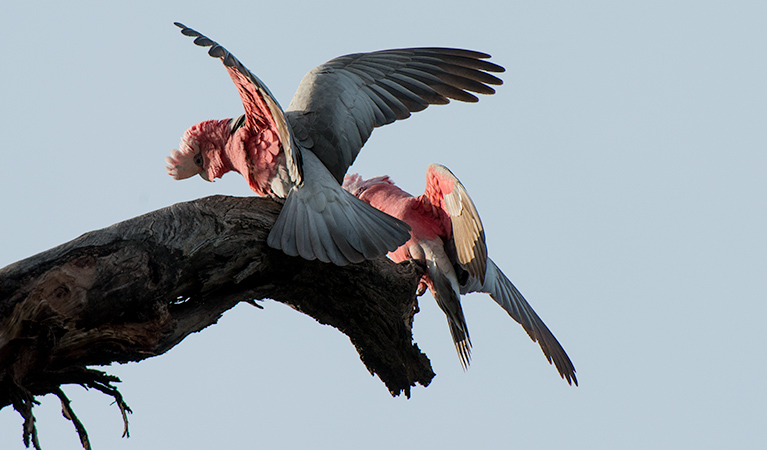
[[301, 154], [448, 236]]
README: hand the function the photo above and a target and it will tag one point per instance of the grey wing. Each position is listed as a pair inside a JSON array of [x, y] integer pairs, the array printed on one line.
[[253, 91], [338, 103], [506, 294]]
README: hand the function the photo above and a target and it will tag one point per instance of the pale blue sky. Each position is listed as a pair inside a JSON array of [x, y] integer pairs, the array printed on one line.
[[620, 173]]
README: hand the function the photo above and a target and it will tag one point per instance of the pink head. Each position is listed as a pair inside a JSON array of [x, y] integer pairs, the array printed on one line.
[[200, 151], [357, 186], [187, 161]]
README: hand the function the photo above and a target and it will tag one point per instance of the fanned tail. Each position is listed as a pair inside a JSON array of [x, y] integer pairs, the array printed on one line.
[[320, 220]]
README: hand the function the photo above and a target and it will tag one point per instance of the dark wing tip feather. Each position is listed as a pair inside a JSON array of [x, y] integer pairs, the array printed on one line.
[[474, 64], [216, 50], [230, 61], [550, 346], [473, 54], [456, 94], [203, 41], [467, 84], [503, 291], [186, 31]]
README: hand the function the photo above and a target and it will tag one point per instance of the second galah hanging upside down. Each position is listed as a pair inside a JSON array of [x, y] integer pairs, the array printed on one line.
[[447, 235], [301, 155]]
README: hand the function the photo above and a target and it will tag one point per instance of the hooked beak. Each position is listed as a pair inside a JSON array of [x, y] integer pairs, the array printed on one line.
[[181, 166], [204, 176]]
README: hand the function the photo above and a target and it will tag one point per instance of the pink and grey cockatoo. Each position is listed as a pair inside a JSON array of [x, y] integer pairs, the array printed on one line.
[[447, 235], [301, 154]]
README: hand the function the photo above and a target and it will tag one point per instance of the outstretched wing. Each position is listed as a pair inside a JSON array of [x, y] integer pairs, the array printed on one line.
[[261, 108], [445, 191], [338, 103], [503, 291]]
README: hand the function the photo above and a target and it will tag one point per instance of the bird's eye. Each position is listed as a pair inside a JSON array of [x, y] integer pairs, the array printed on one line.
[[198, 159]]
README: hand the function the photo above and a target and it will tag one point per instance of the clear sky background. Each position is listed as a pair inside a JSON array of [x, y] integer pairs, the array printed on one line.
[[620, 172]]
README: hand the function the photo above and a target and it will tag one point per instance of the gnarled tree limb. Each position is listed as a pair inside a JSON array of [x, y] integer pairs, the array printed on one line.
[[139, 287]]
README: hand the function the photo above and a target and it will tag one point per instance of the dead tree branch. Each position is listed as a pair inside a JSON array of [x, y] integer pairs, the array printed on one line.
[[134, 290]]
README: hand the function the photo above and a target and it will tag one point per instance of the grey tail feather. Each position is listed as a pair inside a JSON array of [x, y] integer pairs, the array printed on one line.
[[462, 343], [346, 231], [450, 303]]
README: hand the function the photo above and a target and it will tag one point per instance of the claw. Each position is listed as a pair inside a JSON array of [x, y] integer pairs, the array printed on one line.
[[421, 288]]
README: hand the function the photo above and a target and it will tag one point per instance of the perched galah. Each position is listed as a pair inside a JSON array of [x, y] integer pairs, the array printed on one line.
[[301, 155], [447, 235]]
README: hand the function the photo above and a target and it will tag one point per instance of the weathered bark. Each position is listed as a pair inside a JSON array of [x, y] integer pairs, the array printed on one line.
[[137, 288]]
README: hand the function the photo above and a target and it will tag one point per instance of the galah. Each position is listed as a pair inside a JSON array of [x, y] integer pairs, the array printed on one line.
[[448, 236], [300, 155]]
